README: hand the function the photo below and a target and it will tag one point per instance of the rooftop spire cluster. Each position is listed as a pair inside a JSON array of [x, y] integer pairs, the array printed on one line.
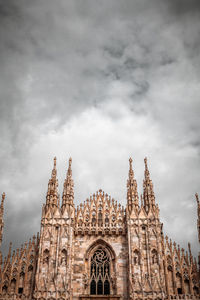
[[65, 259]]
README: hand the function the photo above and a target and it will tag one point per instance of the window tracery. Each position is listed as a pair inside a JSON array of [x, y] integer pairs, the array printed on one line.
[[100, 273]]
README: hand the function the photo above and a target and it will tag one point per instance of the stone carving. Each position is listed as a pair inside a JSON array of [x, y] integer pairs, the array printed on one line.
[[85, 280], [99, 248]]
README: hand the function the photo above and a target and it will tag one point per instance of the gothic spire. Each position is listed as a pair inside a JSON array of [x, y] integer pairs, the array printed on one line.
[[52, 197], [2, 204], [9, 253], [1, 217], [198, 215], [132, 194], [68, 189], [148, 193]]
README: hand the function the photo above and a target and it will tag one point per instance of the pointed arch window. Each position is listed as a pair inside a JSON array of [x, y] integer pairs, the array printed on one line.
[[100, 273]]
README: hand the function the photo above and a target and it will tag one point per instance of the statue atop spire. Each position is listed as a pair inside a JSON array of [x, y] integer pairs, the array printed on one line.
[[68, 189], [132, 194], [148, 192], [52, 197]]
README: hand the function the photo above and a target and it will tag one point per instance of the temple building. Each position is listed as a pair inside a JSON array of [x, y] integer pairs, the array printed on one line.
[[99, 250]]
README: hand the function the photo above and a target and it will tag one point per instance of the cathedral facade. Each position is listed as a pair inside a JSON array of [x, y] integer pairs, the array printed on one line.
[[99, 250]]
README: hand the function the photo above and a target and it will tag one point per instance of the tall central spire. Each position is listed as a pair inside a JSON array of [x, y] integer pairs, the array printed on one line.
[[68, 189], [132, 194], [52, 197], [148, 193]]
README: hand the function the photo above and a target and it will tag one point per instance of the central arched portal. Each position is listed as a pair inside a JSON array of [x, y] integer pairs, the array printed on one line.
[[100, 273]]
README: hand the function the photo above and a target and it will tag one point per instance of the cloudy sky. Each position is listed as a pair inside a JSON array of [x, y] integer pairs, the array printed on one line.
[[100, 81]]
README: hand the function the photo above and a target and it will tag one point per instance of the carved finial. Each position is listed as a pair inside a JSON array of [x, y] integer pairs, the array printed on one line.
[[145, 162], [2, 201], [190, 252], [17, 252], [131, 174], [70, 167], [13, 255], [54, 171], [148, 191], [52, 192], [189, 247], [68, 190], [1, 217], [3, 196], [195, 262], [198, 218], [146, 172], [197, 197], [9, 251], [132, 194], [10, 246]]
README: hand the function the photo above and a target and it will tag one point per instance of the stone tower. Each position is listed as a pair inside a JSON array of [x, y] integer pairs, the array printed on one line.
[[53, 276], [145, 238]]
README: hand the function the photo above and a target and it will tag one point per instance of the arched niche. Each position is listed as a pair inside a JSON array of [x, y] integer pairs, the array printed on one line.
[[136, 257]]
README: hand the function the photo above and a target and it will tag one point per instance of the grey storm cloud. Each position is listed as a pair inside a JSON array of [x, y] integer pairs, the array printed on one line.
[[99, 81]]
